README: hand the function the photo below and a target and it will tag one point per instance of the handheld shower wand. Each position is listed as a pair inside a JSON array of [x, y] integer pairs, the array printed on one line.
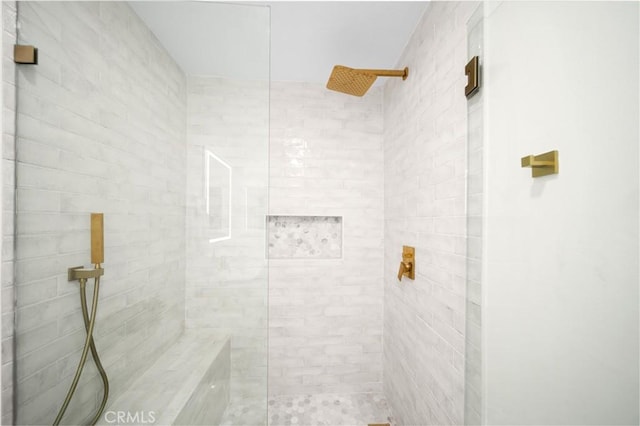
[[82, 275]]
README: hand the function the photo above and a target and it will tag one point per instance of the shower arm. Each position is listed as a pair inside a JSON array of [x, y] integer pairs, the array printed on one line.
[[387, 73]]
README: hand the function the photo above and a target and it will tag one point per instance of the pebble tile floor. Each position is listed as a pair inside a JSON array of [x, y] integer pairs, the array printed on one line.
[[312, 410]]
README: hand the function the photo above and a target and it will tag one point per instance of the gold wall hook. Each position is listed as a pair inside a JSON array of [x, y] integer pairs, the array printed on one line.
[[543, 164], [407, 265]]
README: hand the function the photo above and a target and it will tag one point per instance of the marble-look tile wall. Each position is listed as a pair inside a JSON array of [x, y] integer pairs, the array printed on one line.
[[226, 290], [325, 316], [425, 164], [8, 205], [101, 128]]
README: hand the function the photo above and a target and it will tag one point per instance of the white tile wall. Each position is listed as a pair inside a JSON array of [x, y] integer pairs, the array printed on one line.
[[101, 128], [325, 316], [8, 193], [425, 165], [226, 289]]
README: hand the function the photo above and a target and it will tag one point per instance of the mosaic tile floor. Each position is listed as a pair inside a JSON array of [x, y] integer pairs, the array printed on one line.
[[311, 410]]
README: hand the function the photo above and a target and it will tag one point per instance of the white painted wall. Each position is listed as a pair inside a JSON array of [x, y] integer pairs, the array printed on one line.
[[560, 342]]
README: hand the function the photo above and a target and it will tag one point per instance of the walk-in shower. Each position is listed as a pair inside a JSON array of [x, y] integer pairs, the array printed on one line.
[[253, 220]]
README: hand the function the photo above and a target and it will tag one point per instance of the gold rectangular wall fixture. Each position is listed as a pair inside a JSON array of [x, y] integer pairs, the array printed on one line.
[[543, 164], [24, 54], [472, 71]]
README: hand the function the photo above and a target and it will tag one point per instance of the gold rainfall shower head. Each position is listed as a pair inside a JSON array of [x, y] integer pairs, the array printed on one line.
[[357, 81]]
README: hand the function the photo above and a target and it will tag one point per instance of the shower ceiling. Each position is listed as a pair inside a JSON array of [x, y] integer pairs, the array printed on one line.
[[307, 38]]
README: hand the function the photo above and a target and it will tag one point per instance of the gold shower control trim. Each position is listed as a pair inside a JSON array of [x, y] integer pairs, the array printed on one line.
[[543, 164], [407, 266]]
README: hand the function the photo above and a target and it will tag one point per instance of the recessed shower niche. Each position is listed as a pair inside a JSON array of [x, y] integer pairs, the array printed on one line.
[[304, 237]]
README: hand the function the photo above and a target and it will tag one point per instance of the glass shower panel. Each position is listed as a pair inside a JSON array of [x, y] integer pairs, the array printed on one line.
[[227, 161], [475, 155], [156, 115]]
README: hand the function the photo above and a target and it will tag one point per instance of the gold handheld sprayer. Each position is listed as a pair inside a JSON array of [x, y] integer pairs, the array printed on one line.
[[81, 274]]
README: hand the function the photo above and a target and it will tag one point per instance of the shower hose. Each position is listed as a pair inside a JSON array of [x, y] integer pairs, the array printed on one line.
[[88, 344]]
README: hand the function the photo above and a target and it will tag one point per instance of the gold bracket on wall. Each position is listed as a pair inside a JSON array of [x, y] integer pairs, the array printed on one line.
[[543, 164], [408, 264], [472, 71], [24, 54], [81, 273]]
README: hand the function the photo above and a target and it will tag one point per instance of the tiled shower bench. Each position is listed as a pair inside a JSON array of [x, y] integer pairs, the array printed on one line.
[[187, 385]]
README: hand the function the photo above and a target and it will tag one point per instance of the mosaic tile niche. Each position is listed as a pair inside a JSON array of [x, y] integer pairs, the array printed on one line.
[[305, 237]]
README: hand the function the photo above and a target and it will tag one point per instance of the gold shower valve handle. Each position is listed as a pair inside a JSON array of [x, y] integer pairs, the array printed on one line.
[[407, 265], [405, 269]]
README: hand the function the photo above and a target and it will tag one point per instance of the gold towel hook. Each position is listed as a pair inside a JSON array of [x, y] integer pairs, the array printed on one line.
[[543, 164]]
